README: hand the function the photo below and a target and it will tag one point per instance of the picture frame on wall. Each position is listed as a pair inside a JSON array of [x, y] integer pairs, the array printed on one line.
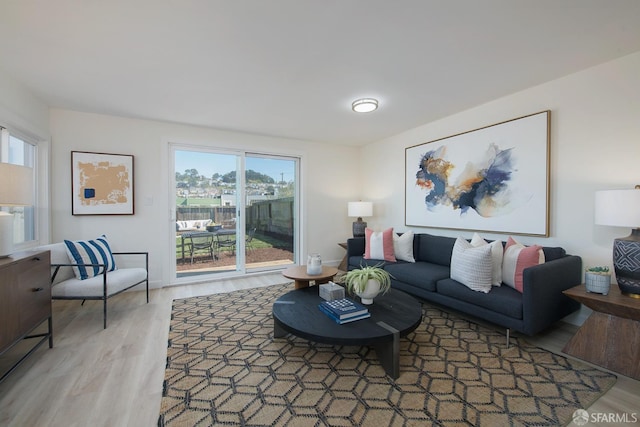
[[101, 184], [493, 179]]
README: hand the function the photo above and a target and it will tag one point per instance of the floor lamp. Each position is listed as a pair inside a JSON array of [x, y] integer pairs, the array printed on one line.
[[621, 208], [16, 189]]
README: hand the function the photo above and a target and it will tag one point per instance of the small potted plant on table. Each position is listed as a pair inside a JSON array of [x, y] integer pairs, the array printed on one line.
[[598, 280], [367, 282]]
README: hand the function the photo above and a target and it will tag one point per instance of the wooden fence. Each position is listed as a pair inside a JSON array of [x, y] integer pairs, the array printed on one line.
[[267, 216]]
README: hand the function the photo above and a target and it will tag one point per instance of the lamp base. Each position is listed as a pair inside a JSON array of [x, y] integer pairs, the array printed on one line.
[[626, 261], [359, 227]]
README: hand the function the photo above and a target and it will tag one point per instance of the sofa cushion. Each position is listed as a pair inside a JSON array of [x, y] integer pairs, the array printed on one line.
[[502, 299], [86, 252], [552, 253], [472, 266], [360, 261], [379, 244], [116, 281], [435, 249], [192, 224], [422, 275], [403, 246]]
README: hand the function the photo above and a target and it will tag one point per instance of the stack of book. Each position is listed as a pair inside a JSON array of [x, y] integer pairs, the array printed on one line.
[[344, 310]]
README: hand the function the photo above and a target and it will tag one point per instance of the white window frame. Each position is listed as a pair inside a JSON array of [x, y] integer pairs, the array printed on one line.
[[40, 161]]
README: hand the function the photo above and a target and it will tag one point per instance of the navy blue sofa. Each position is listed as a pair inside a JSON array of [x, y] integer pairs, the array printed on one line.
[[541, 303]]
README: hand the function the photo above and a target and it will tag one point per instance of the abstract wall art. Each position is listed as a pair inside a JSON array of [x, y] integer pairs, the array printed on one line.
[[101, 184], [493, 179]]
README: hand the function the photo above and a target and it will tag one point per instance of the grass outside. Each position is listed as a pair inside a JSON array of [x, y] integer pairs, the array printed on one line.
[[260, 241]]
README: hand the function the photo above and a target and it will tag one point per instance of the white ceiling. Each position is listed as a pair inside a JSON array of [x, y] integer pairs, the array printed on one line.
[[291, 68]]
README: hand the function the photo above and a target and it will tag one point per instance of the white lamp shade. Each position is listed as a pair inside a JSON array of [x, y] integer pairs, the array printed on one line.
[[16, 185], [360, 209], [618, 208]]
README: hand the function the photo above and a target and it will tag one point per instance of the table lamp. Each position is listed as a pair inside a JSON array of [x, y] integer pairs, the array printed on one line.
[[16, 189], [621, 208], [359, 209]]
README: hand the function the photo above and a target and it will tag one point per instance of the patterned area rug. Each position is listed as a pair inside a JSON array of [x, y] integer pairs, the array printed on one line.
[[225, 368]]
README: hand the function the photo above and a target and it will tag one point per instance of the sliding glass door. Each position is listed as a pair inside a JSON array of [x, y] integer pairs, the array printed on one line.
[[270, 207], [234, 212]]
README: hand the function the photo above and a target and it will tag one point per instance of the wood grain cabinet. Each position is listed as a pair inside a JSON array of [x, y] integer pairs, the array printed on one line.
[[25, 301]]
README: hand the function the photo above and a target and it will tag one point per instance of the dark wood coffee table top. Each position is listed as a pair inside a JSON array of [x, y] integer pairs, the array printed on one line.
[[297, 312]]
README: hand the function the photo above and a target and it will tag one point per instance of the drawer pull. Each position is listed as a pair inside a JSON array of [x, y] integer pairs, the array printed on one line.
[[38, 289], [36, 258]]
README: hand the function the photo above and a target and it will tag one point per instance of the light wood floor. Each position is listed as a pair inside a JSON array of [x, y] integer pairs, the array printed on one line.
[[113, 377]]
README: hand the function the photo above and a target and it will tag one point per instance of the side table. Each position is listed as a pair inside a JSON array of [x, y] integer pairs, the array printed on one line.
[[302, 279], [344, 263], [610, 337]]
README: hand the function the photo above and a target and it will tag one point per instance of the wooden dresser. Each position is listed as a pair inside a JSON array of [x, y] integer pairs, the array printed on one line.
[[25, 301]]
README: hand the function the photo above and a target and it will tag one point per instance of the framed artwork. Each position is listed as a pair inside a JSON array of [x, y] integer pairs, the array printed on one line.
[[101, 184], [493, 179]]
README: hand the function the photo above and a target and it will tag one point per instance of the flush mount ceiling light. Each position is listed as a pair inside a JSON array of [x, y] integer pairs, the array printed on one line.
[[364, 105]]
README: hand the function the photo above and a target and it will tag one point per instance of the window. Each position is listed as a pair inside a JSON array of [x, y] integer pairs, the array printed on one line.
[[19, 151]]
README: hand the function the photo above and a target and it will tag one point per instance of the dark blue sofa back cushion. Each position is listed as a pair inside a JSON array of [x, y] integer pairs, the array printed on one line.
[[435, 249]]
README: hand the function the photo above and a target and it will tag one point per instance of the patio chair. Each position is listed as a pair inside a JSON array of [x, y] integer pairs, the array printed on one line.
[[200, 241], [249, 239], [227, 241]]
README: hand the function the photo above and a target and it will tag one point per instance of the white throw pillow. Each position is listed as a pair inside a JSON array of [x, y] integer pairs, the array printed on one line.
[[496, 256], [403, 246], [471, 266]]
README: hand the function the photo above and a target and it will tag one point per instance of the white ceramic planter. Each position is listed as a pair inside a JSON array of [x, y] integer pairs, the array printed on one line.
[[371, 290]]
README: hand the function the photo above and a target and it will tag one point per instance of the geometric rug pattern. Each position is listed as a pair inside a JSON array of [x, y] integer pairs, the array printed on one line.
[[224, 367]]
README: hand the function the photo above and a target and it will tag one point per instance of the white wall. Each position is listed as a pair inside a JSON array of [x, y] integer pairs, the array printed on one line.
[[595, 144], [328, 183], [20, 109]]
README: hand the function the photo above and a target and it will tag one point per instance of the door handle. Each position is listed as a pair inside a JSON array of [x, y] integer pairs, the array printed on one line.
[[37, 289]]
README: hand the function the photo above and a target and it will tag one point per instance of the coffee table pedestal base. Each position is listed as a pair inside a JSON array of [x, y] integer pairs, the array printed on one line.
[[389, 353]]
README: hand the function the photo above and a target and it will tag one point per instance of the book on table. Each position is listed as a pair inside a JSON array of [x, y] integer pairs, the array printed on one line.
[[333, 317], [344, 308]]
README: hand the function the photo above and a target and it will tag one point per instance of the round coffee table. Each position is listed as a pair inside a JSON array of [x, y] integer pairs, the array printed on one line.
[[302, 279], [393, 315]]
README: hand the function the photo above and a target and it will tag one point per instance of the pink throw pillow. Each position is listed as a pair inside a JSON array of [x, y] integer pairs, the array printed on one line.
[[517, 257], [379, 244]]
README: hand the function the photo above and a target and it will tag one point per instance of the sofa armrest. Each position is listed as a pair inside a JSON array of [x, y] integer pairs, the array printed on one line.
[[355, 247], [543, 302], [145, 254]]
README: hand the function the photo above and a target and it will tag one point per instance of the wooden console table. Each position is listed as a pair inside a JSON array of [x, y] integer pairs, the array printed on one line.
[[25, 301], [610, 337]]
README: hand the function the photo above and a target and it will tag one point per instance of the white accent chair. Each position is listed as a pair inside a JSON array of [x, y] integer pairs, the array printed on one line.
[[65, 285]]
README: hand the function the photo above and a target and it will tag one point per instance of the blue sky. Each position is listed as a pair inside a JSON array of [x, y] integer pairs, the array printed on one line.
[[209, 163]]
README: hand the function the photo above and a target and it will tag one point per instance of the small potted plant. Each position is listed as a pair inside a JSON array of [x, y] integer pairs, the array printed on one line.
[[598, 280], [367, 282]]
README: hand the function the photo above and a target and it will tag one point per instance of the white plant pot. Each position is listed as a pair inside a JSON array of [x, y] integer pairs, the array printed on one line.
[[371, 290]]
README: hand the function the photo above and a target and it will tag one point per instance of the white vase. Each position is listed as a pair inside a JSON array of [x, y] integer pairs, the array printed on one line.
[[370, 291]]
